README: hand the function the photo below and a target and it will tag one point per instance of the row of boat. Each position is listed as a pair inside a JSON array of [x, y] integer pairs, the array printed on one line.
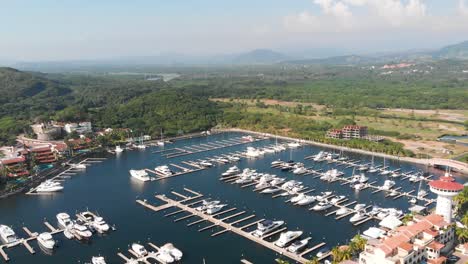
[[83, 227], [166, 254]]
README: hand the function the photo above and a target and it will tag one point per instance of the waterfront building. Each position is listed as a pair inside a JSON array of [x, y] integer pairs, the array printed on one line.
[[421, 240], [15, 167], [446, 188], [335, 133], [353, 131], [43, 154]]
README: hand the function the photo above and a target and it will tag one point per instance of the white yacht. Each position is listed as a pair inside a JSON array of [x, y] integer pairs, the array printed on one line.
[[139, 250], [215, 208], [231, 171], [320, 156], [64, 220], [46, 241], [262, 184], [100, 225], [49, 186], [324, 205], [299, 170], [118, 149], [294, 144], [287, 237], [164, 257], [267, 226], [342, 211], [205, 163], [363, 178], [358, 207], [252, 152], [358, 217], [141, 175], [413, 200], [323, 196], [336, 199], [308, 199], [276, 163], [206, 204], [298, 245], [359, 186], [269, 150], [387, 185], [363, 167], [164, 170], [173, 251], [79, 166], [82, 231], [233, 158], [277, 181], [68, 232], [271, 190], [7, 234], [98, 260], [297, 198]]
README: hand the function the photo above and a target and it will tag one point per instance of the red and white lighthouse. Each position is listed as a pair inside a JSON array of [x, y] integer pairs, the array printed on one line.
[[446, 188]]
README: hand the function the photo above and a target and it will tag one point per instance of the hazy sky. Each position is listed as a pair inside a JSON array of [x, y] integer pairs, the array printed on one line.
[[65, 29]]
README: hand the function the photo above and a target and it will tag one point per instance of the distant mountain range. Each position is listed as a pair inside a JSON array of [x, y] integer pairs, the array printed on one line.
[[254, 57]]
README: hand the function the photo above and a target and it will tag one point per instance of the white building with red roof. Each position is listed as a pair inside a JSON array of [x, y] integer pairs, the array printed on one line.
[[446, 188]]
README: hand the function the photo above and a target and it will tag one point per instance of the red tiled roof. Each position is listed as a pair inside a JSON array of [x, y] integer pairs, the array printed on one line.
[[406, 246], [436, 245], [436, 220], [40, 149], [13, 160], [446, 185]]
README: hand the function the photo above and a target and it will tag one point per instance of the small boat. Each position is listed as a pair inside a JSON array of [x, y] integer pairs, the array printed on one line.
[[336, 199], [322, 252], [363, 178], [387, 185], [139, 250], [46, 241], [294, 144], [271, 190], [297, 198], [79, 166], [164, 257], [64, 220], [231, 171], [320, 156], [323, 196], [206, 204], [393, 193], [233, 158], [215, 208], [287, 237], [298, 245], [276, 163], [7, 234], [205, 163], [359, 186], [299, 170], [413, 200], [277, 181], [118, 149], [358, 207], [68, 232], [164, 170], [141, 175], [265, 227], [98, 260], [363, 167]]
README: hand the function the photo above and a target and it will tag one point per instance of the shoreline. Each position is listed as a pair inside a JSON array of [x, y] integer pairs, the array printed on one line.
[[455, 165]]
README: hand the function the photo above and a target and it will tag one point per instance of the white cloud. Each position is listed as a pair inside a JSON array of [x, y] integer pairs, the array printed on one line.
[[462, 7]]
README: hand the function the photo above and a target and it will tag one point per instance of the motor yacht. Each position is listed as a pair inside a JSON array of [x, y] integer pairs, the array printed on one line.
[[244, 179], [355, 178], [271, 190], [269, 150], [233, 158], [164, 257], [68, 232], [277, 181], [206, 204], [262, 184], [215, 208], [164, 170], [267, 226], [298, 245], [336, 199], [324, 205], [140, 175], [276, 163], [359, 186], [387, 185], [98, 260], [100, 225], [287, 237], [322, 252], [393, 193], [231, 171], [342, 211], [171, 250], [46, 241], [308, 199], [64, 220], [297, 198], [413, 178], [375, 210], [395, 174], [205, 163], [247, 139], [323, 196], [358, 207], [363, 167], [357, 217], [7, 234], [49, 186], [139, 250], [413, 200], [299, 170], [294, 145], [252, 152], [78, 166], [82, 231], [222, 160]]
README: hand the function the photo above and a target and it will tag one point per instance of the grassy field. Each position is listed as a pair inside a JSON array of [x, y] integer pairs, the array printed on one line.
[[419, 129]]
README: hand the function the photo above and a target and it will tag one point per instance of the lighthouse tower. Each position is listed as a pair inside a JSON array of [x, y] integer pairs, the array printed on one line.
[[446, 188]]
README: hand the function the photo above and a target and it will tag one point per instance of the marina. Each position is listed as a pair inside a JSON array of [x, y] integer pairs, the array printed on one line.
[[107, 186]]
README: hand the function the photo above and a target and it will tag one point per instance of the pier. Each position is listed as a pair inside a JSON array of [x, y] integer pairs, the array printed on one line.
[[226, 226]]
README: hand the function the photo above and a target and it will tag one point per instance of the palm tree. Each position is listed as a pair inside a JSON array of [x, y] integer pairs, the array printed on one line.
[[337, 255], [282, 261], [313, 261], [407, 218], [358, 243], [346, 254], [462, 234]]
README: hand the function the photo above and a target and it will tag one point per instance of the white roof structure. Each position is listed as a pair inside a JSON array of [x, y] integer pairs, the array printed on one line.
[[390, 222], [374, 233]]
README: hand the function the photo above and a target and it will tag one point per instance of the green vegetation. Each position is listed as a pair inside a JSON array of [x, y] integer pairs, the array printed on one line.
[[462, 208]]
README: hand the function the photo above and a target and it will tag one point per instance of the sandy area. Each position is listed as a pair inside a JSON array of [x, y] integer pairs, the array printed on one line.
[[450, 115]]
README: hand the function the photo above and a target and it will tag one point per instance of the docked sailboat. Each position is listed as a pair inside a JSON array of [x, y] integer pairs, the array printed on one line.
[[287, 237], [267, 226], [140, 175], [7, 234], [363, 178]]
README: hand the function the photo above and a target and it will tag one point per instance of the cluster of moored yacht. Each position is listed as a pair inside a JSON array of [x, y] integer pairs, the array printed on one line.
[[252, 152], [166, 254], [210, 207]]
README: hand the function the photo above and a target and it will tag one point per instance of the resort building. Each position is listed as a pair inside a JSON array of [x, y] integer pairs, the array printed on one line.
[[47, 131], [421, 240], [15, 167], [43, 154], [335, 133], [80, 128]]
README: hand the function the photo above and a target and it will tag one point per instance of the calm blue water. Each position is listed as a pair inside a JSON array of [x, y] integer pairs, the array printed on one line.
[[107, 188]]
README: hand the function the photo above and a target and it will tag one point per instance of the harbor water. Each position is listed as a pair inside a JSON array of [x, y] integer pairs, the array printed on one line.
[[107, 188]]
